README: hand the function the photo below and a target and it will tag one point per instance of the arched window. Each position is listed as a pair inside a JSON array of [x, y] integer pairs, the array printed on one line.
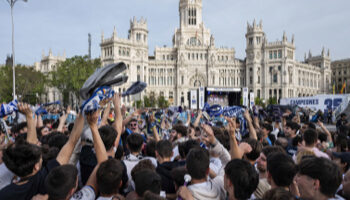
[[193, 41]]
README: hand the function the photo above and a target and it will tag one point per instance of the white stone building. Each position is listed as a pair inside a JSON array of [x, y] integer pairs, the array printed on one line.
[[47, 64], [269, 69]]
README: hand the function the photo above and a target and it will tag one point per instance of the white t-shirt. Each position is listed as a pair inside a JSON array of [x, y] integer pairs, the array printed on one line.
[[6, 176], [86, 193]]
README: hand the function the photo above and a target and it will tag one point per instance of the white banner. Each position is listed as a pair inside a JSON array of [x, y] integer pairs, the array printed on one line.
[[251, 96], [193, 99], [201, 97], [245, 97]]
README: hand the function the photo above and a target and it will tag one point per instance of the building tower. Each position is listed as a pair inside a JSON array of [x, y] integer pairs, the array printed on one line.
[[255, 39], [138, 31]]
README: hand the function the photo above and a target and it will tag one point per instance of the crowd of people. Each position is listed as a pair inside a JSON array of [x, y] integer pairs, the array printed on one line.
[[119, 153]]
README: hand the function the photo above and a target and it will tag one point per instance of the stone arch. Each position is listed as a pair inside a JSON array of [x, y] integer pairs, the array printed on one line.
[[197, 80]]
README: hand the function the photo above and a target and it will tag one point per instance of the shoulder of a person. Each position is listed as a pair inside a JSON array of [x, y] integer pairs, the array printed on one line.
[[85, 193]]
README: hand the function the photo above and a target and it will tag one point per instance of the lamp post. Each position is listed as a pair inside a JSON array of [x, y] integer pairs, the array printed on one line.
[[12, 3]]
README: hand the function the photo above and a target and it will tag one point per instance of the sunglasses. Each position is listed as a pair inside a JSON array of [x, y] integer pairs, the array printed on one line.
[[133, 124]]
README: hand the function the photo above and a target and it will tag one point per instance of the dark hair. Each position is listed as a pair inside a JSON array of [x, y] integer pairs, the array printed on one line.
[[109, 176], [180, 129], [21, 157], [310, 136], [322, 136], [148, 195], [60, 181], [282, 168], [256, 148], [57, 139], [311, 125], [278, 193], [325, 171], [224, 139], [178, 174], [164, 148], [243, 177], [150, 149], [293, 125], [108, 136], [197, 163], [267, 150], [142, 165], [267, 127], [55, 124], [134, 142], [185, 147], [147, 180], [119, 153]]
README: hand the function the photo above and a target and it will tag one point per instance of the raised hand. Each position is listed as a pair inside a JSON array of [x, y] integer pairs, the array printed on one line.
[[25, 109]]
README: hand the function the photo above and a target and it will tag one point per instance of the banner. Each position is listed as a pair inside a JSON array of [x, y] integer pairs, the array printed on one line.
[[201, 97], [251, 102], [193, 99], [245, 97]]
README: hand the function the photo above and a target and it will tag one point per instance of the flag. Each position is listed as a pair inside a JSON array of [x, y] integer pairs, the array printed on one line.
[[342, 88]]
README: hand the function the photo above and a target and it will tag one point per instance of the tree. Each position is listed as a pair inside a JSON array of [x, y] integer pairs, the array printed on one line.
[[71, 74], [162, 102], [259, 102], [272, 100], [30, 84], [149, 101]]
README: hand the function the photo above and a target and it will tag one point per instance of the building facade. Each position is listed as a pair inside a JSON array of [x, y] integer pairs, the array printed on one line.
[[269, 69], [341, 75], [47, 64]]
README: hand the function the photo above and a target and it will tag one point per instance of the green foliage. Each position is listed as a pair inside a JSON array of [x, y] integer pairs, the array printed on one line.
[[149, 101], [138, 104], [30, 84], [162, 102], [258, 101], [71, 74], [272, 100]]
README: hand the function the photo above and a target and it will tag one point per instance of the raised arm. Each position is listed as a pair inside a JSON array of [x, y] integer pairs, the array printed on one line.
[[105, 115], [63, 119], [39, 121], [66, 151], [31, 132], [188, 118], [252, 131], [118, 118], [235, 151], [329, 135], [198, 119], [100, 149]]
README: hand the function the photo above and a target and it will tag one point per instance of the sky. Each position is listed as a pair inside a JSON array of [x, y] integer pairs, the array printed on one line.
[[63, 25]]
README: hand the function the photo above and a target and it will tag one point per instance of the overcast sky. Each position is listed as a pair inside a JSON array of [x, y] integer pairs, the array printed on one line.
[[63, 25]]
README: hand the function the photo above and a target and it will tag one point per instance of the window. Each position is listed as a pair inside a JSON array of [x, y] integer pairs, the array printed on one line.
[[275, 78], [163, 57], [161, 94], [193, 41], [258, 40], [270, 54], [279, 68], [138, 77], [251, 80], [192, 12], [171, 95], [279, 53], [182, 80], [275, 54], [250, 41], [258, 79]]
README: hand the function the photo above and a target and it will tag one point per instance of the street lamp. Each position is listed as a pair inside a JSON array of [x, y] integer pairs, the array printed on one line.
[[12, 3]]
